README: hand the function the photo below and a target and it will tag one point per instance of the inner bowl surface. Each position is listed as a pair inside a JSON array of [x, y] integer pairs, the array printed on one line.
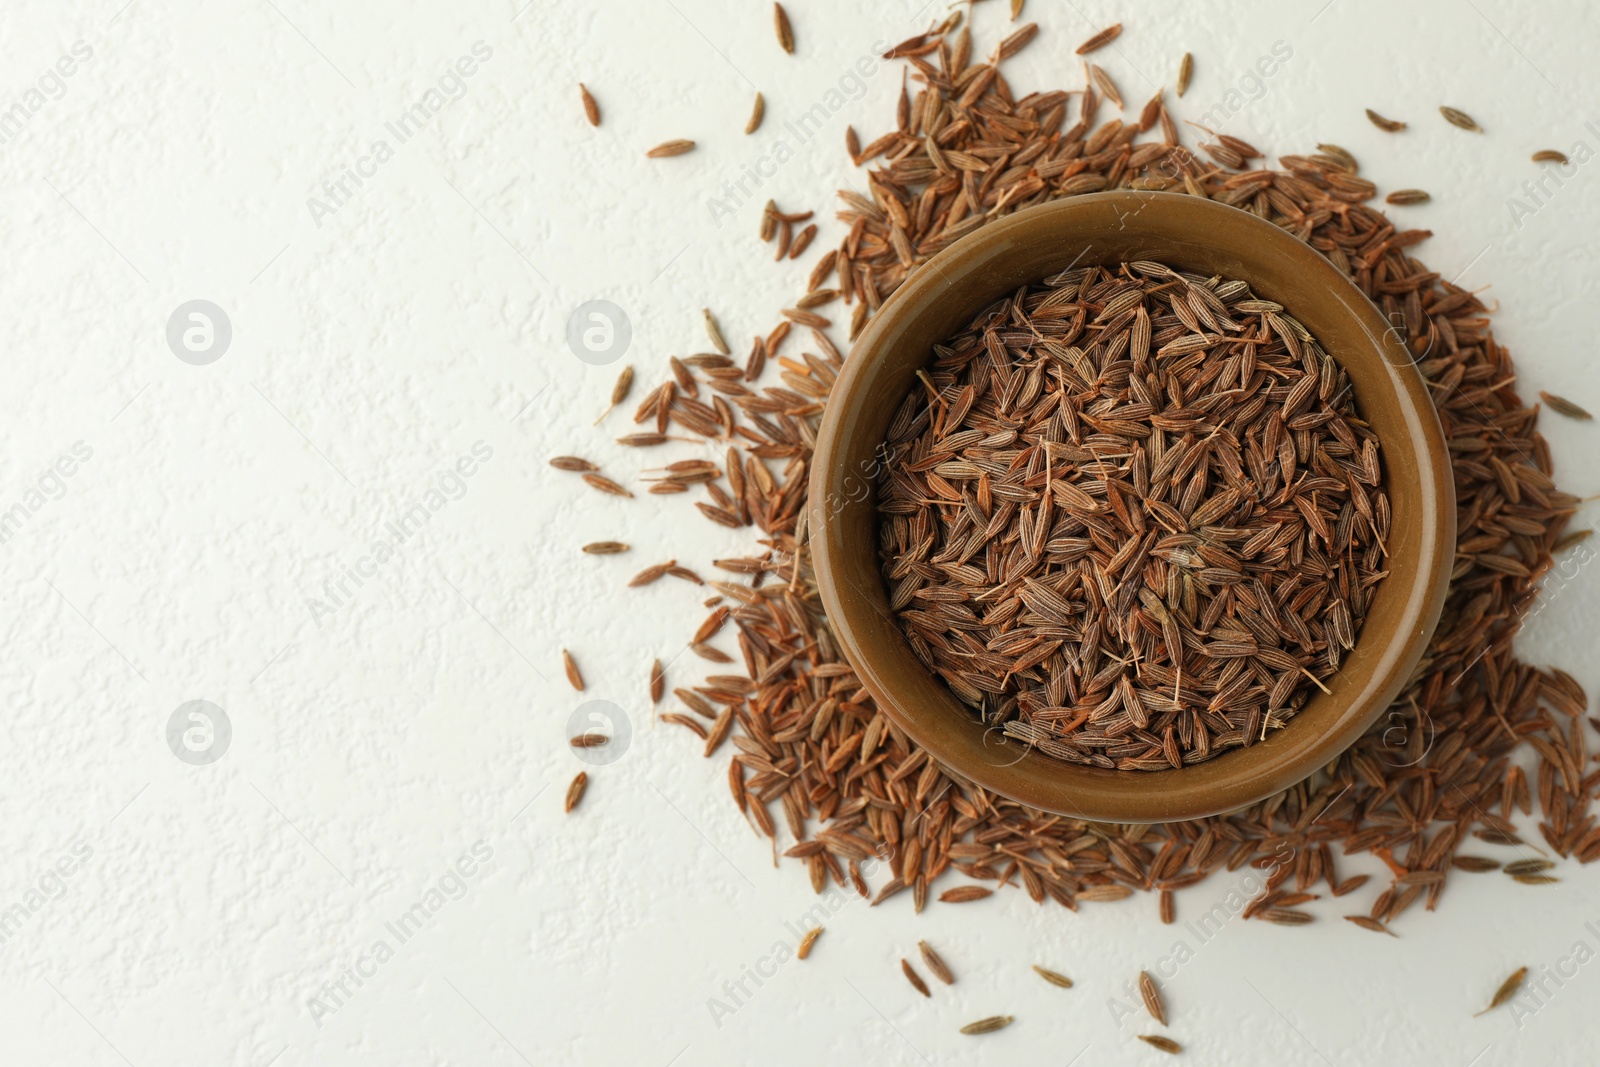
[[1192, 234]]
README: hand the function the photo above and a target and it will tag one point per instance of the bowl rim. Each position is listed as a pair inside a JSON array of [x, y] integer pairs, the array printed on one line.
[[1086, 792]]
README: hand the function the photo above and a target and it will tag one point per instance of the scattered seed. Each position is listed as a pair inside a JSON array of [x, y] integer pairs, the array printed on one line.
[[606, 485], [1408, 196], [1016, 9], [935, 963], [1367, 923], [989, 1025], [1016, 41], [1152, 998], [590, 108], [1185, 72], [658, 681], [1391, 125], [1165, 1044], [802, 241], [670, 148], [1535, 879], [570, 665], [1562, 406], [1549, 155], [589, 740], [572, 463], [1475, 863], [807, 941], [619, 392], [714, 331], [1099, 40], [1460, 119], [758, 111], [1341, 156], [651, 573], [1531, 866], [965, 893], [914, 978], [1107, 87], [1053, 977], [1568, 540], [605, 548], [575, 791], [780, 19], [1507, 990], [683, 720]]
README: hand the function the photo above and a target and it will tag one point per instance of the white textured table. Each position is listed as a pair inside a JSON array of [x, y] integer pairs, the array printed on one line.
[[398, 716]]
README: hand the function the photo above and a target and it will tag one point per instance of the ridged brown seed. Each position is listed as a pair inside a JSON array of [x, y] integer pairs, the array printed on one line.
[[780, 22], [575, 791]]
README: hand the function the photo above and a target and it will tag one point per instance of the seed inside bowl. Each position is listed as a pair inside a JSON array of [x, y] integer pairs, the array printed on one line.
[[1132, 516]]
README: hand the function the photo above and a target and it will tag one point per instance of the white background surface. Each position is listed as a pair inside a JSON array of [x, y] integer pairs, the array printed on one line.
[[428, 712]]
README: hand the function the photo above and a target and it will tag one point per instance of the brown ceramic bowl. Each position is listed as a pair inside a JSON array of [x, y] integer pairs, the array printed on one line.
[[1192, 234]]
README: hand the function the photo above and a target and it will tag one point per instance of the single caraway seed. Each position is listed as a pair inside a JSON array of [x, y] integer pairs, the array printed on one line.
[[1392, 125], [651, 573], [1568, 540], [935, 963], [1461, 119], [1100, 40], [964, 893], [570, 665], [802, 241], [684, 720], [989, 1025], [758, 111], [606, 485], [1528, 867], [590, 108], [1016, 41], [1185, 72], [780, 22], [1152, 998], [1165, 1044], [589, 740], [605, 548], [1408, 196], [619, 392], [1169, 907], [670, 148], [1507, 990], [658, 681], [1016, 9], [1053, 977], [807, 941], [575, 790], [914, 978], [574, 464], [1549, 155], [714, 332], [1368, 923], [1107, 87], [1562, 406]]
